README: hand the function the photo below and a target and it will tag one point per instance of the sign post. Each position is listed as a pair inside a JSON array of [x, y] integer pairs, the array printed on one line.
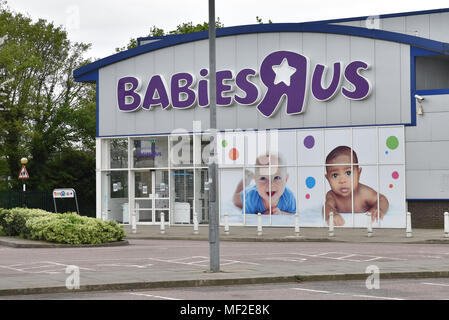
[[23, 174]]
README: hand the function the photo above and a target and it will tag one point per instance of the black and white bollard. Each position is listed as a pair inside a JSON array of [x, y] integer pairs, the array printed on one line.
[[259, 224], [226, 223], [162, 223], [195, 223], [370, 225], [331, 224], [297, 224], [446, 224], [408, 230]]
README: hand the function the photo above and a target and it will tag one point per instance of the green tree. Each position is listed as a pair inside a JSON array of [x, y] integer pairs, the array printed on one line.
[[183, 28], [44, 114], [259, 20]]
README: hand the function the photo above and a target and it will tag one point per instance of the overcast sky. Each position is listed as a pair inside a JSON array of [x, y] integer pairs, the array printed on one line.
[[108, 24]]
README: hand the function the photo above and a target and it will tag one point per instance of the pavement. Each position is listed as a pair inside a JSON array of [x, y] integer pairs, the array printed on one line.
[[239, 233], [147, 260]]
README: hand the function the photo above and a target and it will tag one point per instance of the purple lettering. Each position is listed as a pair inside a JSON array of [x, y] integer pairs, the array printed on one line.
[[249, 88], [284, 81], [324, 94], [362, 87], [179, 89], [221, 87], [124, 94], [156, 94], [203, 89]]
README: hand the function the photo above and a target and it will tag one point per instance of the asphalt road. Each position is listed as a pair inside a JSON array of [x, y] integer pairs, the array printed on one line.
[[404, 289], [170, 260]]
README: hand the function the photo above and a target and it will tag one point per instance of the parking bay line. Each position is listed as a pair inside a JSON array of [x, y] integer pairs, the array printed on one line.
[[346, 294], [152, 296], [436, 284]]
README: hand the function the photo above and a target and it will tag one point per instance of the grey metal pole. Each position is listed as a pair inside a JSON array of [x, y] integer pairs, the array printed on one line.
[[214, 235]]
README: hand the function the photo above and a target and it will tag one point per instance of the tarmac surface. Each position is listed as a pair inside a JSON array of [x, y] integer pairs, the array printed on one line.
[[179, 258]]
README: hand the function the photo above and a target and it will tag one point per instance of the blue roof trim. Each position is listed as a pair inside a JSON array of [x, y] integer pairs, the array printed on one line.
[[140, 39], [89, 77], [385, 16], [431, 45]]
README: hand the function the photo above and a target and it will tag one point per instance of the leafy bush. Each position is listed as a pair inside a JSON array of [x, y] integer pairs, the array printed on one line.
[[68, 228], [13, 221]]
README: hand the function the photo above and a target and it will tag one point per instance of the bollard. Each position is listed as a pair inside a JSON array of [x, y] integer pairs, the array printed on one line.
[[297, 224], [226, 223], [370, 225], [331, 224], [195, 223], [408, 230], [259, 224], [133, 221], [446, 224], [162, 223]]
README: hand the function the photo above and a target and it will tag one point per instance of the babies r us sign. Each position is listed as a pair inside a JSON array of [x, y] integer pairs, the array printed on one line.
[[283, 73]]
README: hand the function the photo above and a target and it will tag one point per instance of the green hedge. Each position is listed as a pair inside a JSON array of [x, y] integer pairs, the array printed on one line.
[[68, 228]]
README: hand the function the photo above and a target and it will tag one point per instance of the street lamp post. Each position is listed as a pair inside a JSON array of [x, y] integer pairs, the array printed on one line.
[[214, 236]]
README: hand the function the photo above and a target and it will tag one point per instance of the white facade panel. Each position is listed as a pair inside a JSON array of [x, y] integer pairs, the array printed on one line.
[[388, 102]]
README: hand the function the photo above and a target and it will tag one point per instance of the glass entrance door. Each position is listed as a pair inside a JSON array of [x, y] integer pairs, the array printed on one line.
[[151, 196], [184, 196], [201, 196]]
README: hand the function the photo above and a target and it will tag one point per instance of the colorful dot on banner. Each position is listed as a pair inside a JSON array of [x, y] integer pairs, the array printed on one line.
[[307, 196], [233, 154], [391, 186], [386, 152], [224, 143], [309, 142], [395, 175], [310, 182], [392, 142]]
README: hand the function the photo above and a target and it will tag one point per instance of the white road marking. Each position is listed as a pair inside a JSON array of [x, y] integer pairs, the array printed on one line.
[[27, 268], [346, 294], [345, 256], [311, 290], [375, 297], [199, 263], [144, 266], [152, 296], [287, 259], [436, 284]]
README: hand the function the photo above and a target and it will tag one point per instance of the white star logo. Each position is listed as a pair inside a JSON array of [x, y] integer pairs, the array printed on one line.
[[283, 72]]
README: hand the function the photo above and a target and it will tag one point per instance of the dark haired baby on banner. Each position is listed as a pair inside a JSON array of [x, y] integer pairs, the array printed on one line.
[[341, 176]]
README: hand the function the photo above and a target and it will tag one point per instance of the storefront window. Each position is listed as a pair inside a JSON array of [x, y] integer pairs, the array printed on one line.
[[118, 151], [181, 154], [150, 152]]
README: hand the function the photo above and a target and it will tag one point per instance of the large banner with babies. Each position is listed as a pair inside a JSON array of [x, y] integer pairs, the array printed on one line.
[[348, 171]]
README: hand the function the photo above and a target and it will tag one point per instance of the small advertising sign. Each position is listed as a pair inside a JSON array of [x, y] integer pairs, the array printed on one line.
[[63, 193], [68, 193]]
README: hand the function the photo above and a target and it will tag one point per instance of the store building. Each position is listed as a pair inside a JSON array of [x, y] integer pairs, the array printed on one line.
[[288, 95]]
